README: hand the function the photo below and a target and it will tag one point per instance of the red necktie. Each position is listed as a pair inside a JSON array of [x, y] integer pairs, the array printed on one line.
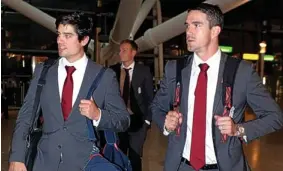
[[197, 158], [67, 93]]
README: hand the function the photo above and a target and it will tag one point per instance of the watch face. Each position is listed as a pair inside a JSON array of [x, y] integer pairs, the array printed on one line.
[[242, 130]]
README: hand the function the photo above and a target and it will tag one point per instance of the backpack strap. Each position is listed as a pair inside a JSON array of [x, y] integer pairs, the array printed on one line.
[[41, 82], [180, 64], [230, 70], [91, 134]]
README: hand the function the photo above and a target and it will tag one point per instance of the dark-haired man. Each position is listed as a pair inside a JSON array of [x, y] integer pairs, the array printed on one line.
[[195, 133], [64, 145], [136, 87]]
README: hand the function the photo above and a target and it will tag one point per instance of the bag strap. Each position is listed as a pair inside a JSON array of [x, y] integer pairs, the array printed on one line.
[[110, 137], [180, 64], [230, 70], [94, 85], [41, 82]]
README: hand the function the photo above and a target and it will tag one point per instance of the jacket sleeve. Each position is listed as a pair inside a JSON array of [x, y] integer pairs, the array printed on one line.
[[114, 115], [269, 116], [163, 98]]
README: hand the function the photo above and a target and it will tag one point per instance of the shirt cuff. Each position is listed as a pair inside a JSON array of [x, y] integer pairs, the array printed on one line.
[[96, 123], [147, 122], [165, 132]]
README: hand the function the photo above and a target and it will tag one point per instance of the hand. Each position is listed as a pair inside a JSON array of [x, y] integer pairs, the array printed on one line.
[[130, 111], [226, 125], [89, 109], [173, 120], [17, 166]]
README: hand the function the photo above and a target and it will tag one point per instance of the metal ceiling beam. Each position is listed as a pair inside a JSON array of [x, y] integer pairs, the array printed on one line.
[[37, 16], [175, 26], [32, 13], [125, 18], [143, 12]]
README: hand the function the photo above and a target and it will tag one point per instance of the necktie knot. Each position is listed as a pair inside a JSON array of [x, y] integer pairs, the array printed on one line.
[[127, 70], [203, 67], [70, 70]]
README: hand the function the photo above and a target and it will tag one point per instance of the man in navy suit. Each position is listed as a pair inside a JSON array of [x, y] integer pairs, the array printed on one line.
[[136, 87]]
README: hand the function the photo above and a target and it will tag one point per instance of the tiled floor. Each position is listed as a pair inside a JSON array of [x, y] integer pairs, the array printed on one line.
[[264, 154]]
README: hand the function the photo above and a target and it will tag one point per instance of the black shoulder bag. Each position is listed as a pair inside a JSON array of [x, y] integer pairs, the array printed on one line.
[[35, 132]]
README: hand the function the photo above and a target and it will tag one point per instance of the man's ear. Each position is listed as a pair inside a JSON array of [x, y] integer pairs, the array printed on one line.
[[85, 40], [134, 52], [215, 31]]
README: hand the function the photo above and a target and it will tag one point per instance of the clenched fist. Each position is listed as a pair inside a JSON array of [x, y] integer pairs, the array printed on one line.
[[17, 166], [226, 125], [173, 120], [89, 109]]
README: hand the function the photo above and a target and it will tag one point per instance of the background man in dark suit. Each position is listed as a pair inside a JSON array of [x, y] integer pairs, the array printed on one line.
[[136, 86], [64, 145], [198, 145]]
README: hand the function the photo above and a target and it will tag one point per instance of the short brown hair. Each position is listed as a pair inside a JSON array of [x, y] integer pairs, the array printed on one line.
[[131, 42], [213, 12]]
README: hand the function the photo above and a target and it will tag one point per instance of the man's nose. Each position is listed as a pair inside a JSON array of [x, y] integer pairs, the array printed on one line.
[[189, 31], [59, 39]]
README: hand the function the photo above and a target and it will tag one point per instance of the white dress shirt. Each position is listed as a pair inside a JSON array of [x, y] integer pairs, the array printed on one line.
[[130, 71], [212, 75], [80, 66]]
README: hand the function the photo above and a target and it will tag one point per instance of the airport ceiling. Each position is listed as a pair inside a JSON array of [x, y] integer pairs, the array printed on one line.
[[23, 30]]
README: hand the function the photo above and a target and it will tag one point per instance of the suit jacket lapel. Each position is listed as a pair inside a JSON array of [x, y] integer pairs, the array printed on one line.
[[135, 76], [186, 74], [218, 93], [89, 76], [54, 87]]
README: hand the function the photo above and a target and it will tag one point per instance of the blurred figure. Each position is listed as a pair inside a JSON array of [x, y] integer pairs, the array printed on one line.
[[11, 89], [4, 106], [136, 87]]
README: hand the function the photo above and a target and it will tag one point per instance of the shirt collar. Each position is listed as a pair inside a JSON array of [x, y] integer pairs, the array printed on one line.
[[130, 66], [79, 64], [212, 61]]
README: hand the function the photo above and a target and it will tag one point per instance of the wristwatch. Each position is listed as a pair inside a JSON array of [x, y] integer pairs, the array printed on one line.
[[240, 131]]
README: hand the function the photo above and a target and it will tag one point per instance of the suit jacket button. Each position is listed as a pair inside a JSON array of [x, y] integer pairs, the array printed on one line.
[[59, 146]]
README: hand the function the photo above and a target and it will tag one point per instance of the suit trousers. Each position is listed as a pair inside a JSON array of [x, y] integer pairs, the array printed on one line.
[[131, 143], [185, 167]]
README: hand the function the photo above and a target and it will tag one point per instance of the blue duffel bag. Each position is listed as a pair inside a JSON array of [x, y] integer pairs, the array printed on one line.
[[110, 158]]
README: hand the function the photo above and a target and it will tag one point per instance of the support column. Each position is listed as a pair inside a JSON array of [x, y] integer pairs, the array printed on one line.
[[160, 46], [97, 43], [155, 51]]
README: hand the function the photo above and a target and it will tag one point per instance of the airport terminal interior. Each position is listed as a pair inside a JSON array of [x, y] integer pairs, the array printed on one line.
[[253, 31]]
